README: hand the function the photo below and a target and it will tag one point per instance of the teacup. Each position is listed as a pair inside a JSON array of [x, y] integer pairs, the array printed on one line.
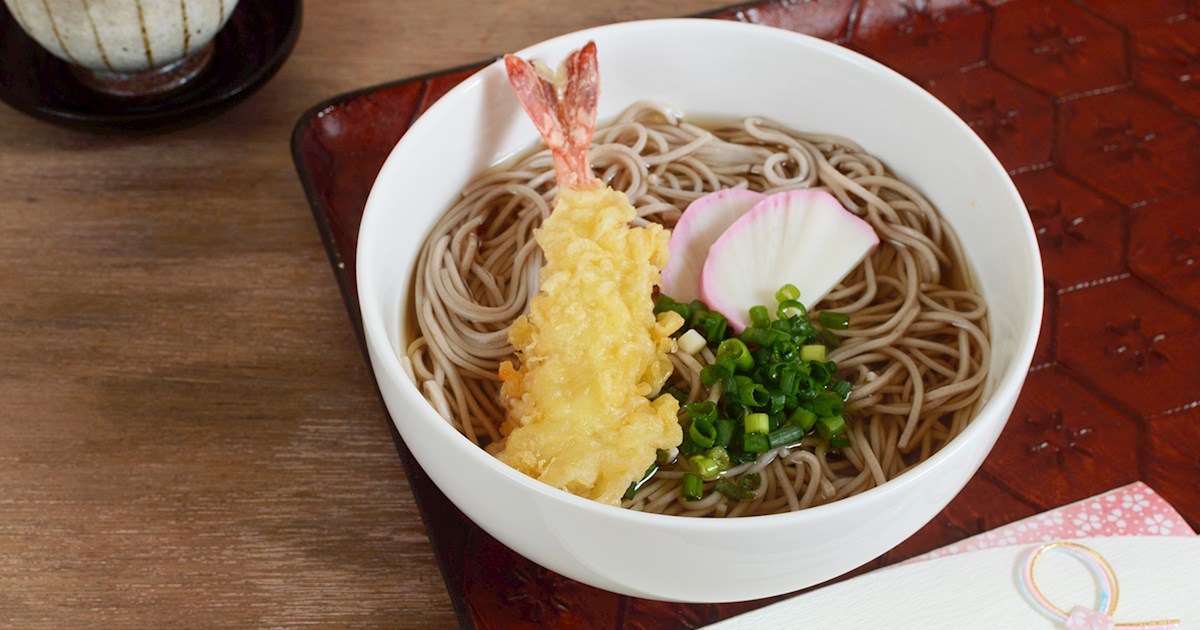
[[124, 47]]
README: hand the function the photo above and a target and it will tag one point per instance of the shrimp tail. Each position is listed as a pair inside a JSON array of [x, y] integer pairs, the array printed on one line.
[[563, 108]]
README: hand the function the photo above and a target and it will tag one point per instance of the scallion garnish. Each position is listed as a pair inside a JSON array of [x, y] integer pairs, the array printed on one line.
[[804, 418], [787, 292], [785, 435], [706, 410], [712, 325], [705, 467], [756, 423], [724, 432], [664, 303], [720, 456], [755, 443], [830, 427], [738, 352], [693, 487], [788, 378], [777, 388], [825, 403], [749, 393], [759, 317], [789, 308], [744, 489], [812, 352], [765, 337], [777, 403], [834, 321], [702, 434]]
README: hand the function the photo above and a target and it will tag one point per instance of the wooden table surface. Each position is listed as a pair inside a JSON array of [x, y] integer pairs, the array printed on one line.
[[188, 433]]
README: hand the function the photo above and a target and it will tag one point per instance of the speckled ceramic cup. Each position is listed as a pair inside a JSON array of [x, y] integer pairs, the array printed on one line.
[[126, 47]]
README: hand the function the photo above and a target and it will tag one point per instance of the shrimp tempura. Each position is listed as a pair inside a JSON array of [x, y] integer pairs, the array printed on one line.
[[591, 351]]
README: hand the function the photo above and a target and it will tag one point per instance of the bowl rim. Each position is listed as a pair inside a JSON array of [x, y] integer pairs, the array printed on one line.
[[384, 355]]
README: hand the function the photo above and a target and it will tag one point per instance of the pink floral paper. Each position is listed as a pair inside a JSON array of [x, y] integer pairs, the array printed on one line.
[[1132, 510]]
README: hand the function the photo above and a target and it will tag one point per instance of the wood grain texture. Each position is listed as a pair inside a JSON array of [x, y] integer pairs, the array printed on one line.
[[188, 433]]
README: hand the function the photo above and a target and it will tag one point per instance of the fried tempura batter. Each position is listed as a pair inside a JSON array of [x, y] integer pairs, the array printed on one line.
[[591, 350]]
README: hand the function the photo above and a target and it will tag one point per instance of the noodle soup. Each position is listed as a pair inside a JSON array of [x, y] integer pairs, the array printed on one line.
[[916, 351], [706, 68]]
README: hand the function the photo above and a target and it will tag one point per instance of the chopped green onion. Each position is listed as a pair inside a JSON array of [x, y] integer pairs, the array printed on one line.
[[785, 351], [825, 404], [764, 337], [703, 434], [705, 467], [712, 374], [730, 489], [759, 317], [706, 410], [708, 323], [744, 489], [720, 456], [740, 381], [778, 400], [751, 394], [693, 487], [757, 423], [736, 350], [787, 292], [664, 303], [785, 436], [804, 418], [821, 372], [776, 386], [830, 427], [789, 381], [750, 482], [712, 325], [834, 321], [812, 352], [727, 364], [790, 308], [755, 443], [724, 433]]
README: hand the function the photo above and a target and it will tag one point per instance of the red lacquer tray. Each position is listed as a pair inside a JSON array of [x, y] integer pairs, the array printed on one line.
[[1094, 107]]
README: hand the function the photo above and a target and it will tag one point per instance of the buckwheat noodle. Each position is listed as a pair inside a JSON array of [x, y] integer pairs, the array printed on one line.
[[917, 350]]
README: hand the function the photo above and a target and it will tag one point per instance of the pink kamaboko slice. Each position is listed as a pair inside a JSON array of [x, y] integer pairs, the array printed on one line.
[[799, 237], [702, 223]]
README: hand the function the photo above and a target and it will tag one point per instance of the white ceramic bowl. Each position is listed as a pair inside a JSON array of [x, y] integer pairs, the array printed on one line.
[[709, 68]]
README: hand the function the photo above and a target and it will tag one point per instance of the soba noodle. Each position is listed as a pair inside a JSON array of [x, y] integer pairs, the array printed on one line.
[[917, 349]]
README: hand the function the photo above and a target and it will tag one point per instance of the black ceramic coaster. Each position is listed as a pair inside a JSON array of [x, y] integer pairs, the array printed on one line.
[[252, 46]]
